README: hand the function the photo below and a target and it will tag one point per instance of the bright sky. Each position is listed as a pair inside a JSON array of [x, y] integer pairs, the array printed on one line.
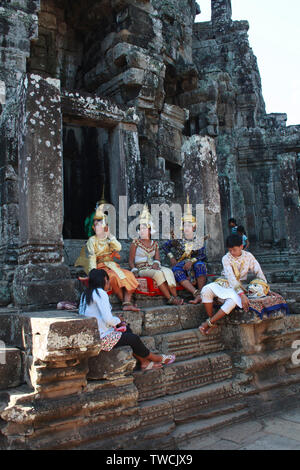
[[274, 36]]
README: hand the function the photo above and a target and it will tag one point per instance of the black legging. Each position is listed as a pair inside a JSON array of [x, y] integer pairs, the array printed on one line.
[[130, 339]]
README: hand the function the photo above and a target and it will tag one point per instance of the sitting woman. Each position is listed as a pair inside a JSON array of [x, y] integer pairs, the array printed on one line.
[[102, 248], [144, 260], [95, 303]]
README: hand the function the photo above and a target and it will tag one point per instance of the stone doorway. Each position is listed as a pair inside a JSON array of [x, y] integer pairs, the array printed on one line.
[[86, 175]]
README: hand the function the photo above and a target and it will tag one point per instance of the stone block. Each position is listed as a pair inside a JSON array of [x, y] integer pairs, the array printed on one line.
[[180, 377], [11, 327], [60, 336], [149, 342], [43, 285], [156, 412], [162, 319], [111, 365], [185, 344], [134, 319], [150, 384], [200, 402], [11, 367], [221, 366], [191, 316]]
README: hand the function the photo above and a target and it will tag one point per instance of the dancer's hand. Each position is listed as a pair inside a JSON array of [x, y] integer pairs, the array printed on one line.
[[155, 266], [188, 265], [245, 302]]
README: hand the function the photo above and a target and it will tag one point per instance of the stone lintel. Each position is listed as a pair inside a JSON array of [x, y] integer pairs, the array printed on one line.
[[89, 110]]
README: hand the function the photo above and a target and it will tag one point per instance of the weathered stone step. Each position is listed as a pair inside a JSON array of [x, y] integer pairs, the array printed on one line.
[[282, 275], [164, 319], [185, 432], [187, 344], [268, 385], [186, 406], [102, 401], [11, 367], [183, 376]]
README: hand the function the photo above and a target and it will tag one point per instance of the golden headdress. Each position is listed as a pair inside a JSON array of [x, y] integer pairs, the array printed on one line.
[[146, 218], [188, 215], [100, 214]]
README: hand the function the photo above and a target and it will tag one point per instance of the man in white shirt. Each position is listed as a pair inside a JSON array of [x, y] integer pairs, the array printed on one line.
[[230, 291]]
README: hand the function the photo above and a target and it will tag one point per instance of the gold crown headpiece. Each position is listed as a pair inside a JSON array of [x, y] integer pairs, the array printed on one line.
[[188, 215], [146, 218], [100, 214]]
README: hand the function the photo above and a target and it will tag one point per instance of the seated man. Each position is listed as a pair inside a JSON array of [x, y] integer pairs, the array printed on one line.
[[187, 259], [237, 263]]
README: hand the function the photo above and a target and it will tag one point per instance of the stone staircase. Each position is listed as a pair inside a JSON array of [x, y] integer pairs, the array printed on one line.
[[66, 395], [195, 394]]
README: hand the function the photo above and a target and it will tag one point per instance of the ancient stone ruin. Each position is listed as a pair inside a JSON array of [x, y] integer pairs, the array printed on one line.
[[132, 98]]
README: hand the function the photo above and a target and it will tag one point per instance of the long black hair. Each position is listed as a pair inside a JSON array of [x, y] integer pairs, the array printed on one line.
[[97, 280]]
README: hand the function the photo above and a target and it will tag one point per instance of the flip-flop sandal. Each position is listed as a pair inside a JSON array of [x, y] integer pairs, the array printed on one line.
[[170, 358], [152, 365]]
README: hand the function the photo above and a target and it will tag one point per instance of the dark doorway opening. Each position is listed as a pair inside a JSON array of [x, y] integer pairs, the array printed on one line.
[[86, 175]]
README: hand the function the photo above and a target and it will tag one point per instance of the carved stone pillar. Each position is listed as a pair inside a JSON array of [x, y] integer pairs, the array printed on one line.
[[125, 165], [200, 179], [290, 194], [41, 277]]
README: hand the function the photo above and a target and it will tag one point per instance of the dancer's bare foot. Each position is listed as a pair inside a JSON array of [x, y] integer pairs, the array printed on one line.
[[129, 307], [206, 328], [197, 300], [175, 301]]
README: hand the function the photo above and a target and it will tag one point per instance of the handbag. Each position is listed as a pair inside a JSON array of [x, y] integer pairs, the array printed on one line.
[[121, 327]]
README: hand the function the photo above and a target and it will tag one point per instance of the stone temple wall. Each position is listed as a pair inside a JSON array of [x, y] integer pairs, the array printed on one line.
[[257, 153], [167, 83], [133, 98]]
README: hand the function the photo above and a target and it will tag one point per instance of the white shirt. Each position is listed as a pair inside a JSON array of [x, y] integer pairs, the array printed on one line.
[[100, 308], [244, 264]]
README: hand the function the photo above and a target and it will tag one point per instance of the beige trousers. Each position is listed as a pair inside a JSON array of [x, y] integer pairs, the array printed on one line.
[[159, 275]]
